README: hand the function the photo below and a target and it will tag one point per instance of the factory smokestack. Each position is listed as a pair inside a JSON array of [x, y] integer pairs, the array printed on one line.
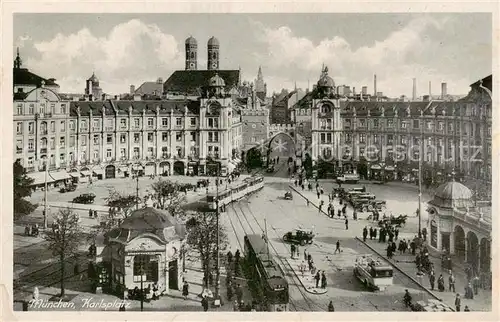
[[375, 85], [430, 89], [443, 90], [414, 96]]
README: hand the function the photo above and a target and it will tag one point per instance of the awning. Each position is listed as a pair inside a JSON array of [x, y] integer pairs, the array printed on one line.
[[39, 178], [59, 175], [74, 174], [86, 173], [376, 167], [123, 169], [98, 171], [390, 168], [137, 167]]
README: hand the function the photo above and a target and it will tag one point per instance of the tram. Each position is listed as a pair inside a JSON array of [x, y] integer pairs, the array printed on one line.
[[268, 277], [227, 196]]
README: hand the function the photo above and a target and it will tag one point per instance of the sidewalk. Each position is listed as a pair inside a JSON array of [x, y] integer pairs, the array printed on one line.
[[481, 302], [306, 278]]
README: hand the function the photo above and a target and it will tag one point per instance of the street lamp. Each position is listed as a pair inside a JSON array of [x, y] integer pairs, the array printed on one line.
[[420, 154], [45, 206], [217, 268], [137, 187]]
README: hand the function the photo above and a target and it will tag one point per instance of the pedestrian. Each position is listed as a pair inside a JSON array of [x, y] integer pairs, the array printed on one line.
[[346, 223], [337, 247], [365, 234], [185, 290], [375, 233], [305, 255], [475, 284], [396, 233], [466, 309], [297, 251], [330, 307], [307, 200], [239, 293], [321, 191], [371, 233], [323, 280], [235, 306], [292, 249], [317, 277], [122, 307], [457, 302], [441, 283], [451, 281], [229, 257], [204, 303], [90, 213], [317, 193], [432, 279]]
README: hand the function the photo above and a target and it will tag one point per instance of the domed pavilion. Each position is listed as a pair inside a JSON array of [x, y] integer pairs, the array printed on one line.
[[146, 243], [457, 225]]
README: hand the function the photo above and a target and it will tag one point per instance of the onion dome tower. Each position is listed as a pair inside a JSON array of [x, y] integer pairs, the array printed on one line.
[[191, 54], [213, 54]]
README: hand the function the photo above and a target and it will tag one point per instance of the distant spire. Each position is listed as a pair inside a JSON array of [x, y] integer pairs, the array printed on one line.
[[295, 85], [259, 73], [18, 62]]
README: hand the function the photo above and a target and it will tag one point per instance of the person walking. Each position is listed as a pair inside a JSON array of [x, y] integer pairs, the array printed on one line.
[[475, 284], [457, 302], [441, 283], [451, 281], [337, 248], [305, 255], [317, 277], [432, 279], [346, 223], [466, 309], [330, 307], [323, 280], [365, 233], [185, 290], [292, 250], [204, 303]]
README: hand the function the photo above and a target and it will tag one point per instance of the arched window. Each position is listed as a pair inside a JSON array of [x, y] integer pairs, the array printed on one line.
[[325, 108], [192, 55], [214, 55]]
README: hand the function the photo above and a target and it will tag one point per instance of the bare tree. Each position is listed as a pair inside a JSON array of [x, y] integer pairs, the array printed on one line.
[[170, 197], [121, 206], [202, 236], [64, 238]]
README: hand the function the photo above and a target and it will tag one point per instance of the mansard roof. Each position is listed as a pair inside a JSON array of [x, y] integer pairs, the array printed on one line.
[[404, 109], [122, 107]]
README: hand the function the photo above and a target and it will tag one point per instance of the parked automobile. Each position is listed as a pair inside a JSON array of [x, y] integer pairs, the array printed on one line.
[[299, 236], [367, 204], [68, 188], [85, 198]]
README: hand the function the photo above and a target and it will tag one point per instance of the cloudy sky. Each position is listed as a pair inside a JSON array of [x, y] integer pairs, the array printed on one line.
[[125, 49]]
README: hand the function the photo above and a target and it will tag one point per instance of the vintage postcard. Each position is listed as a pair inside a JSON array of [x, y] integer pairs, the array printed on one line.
[[279, 158]]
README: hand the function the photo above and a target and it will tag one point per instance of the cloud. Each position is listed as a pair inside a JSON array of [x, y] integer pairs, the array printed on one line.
[[22, 40], [395, 59], [132, 52]]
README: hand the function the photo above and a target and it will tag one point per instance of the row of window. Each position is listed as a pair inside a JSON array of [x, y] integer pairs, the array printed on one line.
[[390, 139], [42, 109], [404, 124], [212, 123]]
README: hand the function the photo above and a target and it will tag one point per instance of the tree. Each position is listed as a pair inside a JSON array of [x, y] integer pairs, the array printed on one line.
[[170, 197], [122, 205], [64, 238], [22, 190], [202, 236]]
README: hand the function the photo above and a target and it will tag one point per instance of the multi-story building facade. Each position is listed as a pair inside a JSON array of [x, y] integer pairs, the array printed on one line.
[[117, 138], [454, 136]]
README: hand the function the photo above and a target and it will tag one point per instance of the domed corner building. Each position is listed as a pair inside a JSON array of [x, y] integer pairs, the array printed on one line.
[[456, 224], [149, 240]]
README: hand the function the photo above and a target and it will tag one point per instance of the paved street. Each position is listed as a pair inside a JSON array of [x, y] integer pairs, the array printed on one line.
[[482, 301], [247, 216]]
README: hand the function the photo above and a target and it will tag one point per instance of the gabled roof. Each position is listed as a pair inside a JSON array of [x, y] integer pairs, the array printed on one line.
[[22, 76], [150, 88], [122, 107], [192, 82]]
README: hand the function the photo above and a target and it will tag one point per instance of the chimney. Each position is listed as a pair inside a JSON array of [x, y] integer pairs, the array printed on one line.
[[430, 89], [375, 85], [443, 90], [132, 89], [414, 95], [354, 91]]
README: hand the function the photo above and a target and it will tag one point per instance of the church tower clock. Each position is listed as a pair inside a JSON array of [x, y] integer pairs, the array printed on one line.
[[191, 54], [213, 54]]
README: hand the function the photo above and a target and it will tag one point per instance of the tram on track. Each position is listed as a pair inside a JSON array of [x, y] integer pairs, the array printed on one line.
[[266, 274], [235, 193]]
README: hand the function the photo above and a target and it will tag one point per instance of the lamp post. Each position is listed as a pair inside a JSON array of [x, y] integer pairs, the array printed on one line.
[[137, 188], [45, 206], [142, 287], [420, 154], [217, 268]]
